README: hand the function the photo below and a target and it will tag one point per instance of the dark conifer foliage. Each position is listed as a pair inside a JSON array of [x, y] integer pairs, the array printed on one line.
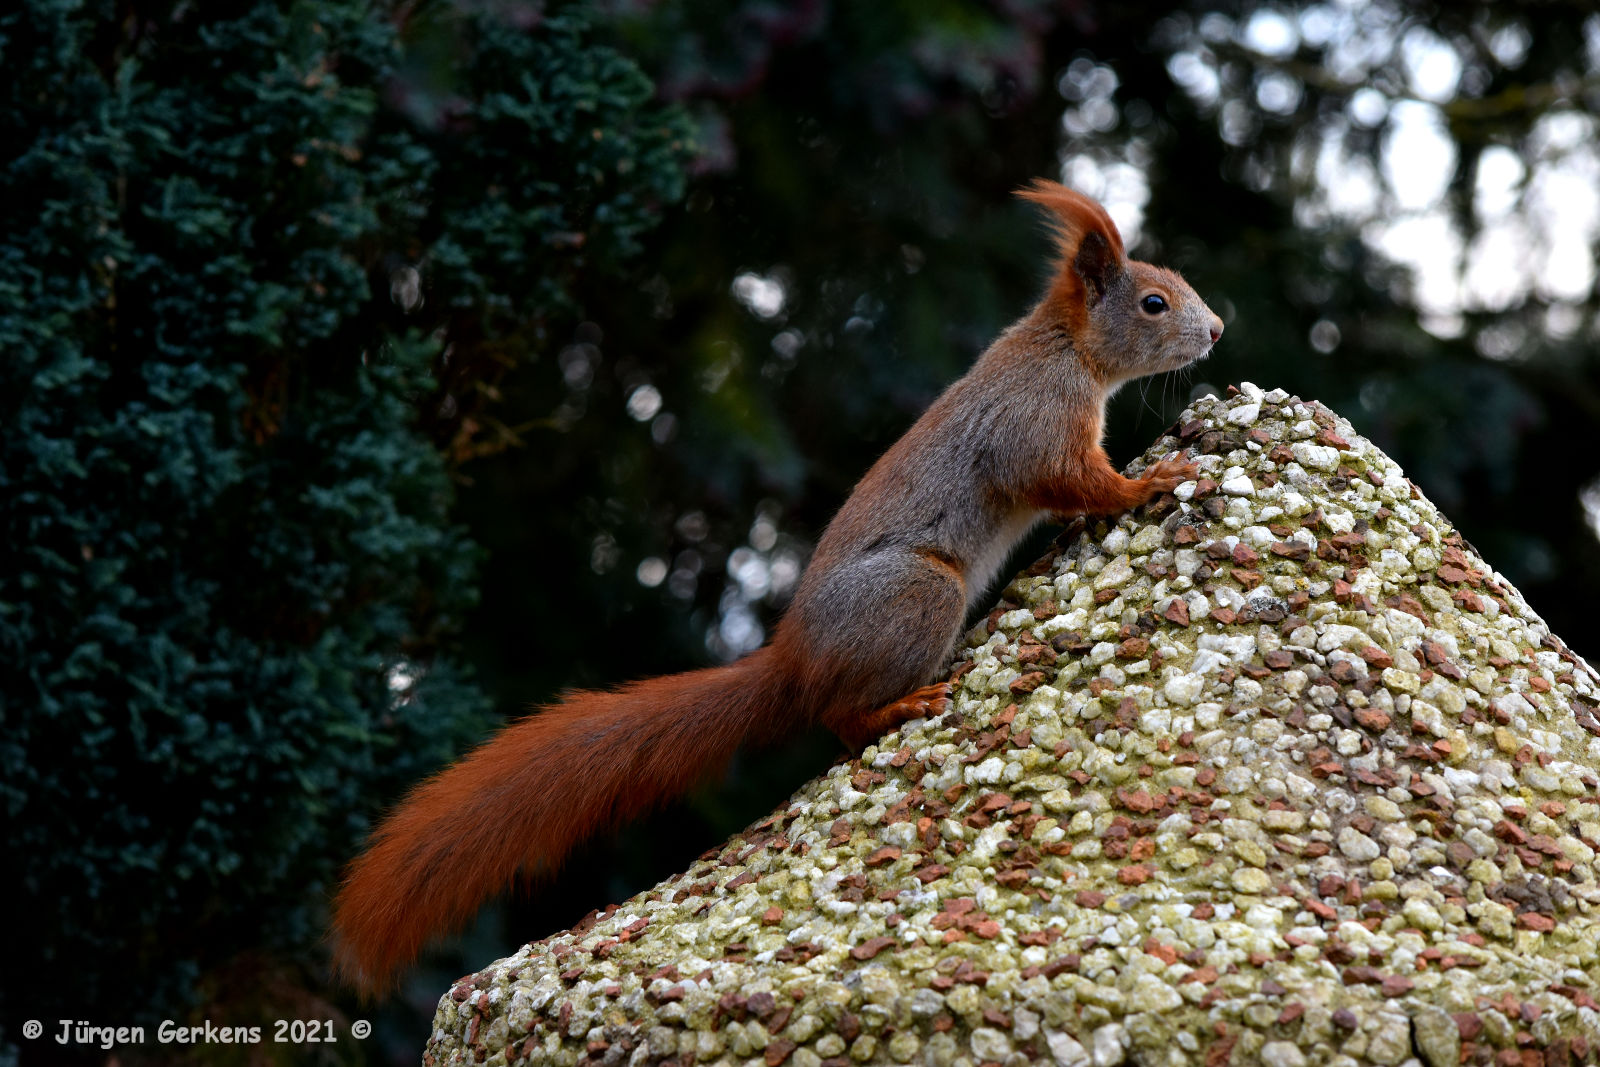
[[255, 273]]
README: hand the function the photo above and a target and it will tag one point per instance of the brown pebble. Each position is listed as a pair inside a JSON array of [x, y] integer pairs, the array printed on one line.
[[1027, 683], [995, 1017], [1377, 657], [1374, 719], [1165, 953], [1346, 673], [870, 948]]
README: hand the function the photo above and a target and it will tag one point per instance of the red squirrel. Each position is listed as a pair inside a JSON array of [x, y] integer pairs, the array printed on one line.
[[874, 619]]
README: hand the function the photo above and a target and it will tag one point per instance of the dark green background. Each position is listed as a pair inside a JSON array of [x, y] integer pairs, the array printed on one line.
[[320, 326]]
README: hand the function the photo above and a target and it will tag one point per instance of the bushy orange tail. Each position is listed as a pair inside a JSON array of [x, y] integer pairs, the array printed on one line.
[[524, 799]]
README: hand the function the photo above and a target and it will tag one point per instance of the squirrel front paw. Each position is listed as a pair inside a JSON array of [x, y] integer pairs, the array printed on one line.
[[1165, 475]]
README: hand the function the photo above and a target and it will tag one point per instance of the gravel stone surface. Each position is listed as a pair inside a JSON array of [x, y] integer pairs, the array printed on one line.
[[1273, 771]]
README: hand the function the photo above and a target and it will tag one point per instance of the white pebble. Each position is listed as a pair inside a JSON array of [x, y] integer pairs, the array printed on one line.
[[1317, 457], [1282, 1054], [1358, 846], [1244, 414]]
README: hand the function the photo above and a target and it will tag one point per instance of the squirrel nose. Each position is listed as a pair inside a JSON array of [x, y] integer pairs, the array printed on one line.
[[1216, 329]]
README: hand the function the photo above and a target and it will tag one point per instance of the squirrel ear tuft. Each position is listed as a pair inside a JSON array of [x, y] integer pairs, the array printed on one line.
[[1086, 238]]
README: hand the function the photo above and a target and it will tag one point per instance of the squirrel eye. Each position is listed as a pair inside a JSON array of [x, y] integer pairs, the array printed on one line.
[[1153, 304]]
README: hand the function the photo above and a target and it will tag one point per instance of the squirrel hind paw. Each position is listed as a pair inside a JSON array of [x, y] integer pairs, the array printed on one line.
[[928, 701], [1165, 475], [922, 703]]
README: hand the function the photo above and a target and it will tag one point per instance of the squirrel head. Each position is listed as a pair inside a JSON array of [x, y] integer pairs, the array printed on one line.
[[1126, 318]]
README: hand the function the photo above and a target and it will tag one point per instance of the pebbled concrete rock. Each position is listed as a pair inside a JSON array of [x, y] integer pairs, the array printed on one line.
[[1305, 781]]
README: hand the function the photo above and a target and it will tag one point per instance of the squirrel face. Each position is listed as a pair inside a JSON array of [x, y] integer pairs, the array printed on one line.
[[1126, 318], [1147, 320]]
